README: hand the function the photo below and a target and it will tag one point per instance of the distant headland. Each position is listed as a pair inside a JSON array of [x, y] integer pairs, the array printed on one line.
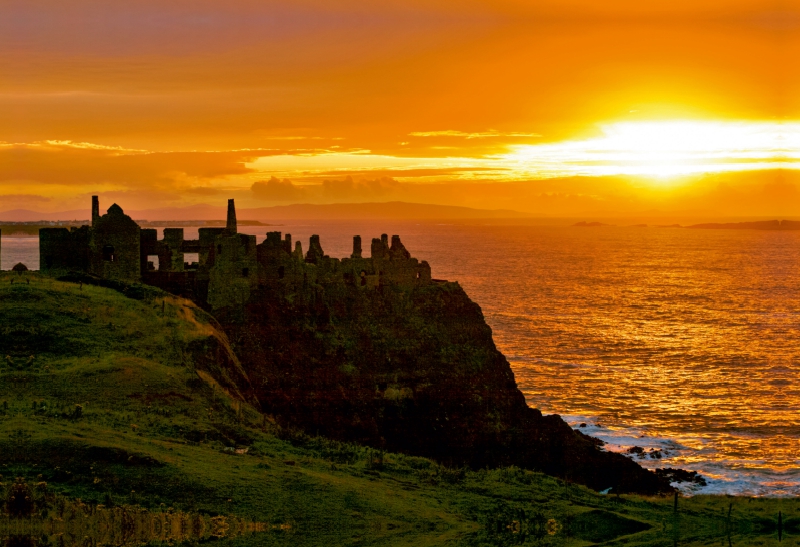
[[757, 225], [779, 225]]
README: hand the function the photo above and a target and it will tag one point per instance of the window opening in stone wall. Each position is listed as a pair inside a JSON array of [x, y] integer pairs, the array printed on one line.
[[245, 272], [152, 263], [108, 254], [281, 272], [191, 260], [363, 278]]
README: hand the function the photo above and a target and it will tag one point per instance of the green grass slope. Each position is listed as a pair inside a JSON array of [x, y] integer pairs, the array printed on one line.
[[135, 400]]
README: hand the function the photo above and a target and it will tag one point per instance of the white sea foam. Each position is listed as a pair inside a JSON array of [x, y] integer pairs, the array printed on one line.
[[726, 477]]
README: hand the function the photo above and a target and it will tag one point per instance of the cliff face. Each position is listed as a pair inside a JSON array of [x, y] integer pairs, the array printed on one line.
[[408, 369]]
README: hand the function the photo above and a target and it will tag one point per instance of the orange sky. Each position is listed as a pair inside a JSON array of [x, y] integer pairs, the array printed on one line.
[[479, 103]]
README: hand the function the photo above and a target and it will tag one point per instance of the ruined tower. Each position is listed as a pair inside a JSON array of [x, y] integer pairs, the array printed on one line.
[[115, 246], [230, 227], [95, 210], [233, 272], [315, 253], [356, 247]]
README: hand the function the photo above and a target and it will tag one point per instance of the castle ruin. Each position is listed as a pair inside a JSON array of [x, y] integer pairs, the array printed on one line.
[[230, 265]]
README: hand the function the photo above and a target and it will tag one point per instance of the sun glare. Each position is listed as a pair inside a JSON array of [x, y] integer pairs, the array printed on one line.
[[664, 152], [665, 149]]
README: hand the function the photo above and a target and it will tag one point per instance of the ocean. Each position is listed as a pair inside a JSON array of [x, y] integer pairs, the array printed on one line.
[[685, 343]]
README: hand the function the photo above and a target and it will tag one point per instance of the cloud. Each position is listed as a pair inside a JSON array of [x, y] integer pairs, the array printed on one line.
[[204, 191], [65, 171], [275, 189], [414, 173], [22, 201], [24, 197], [59, 175], [347, 189], [330, 190], [365, 189], [211, 74], [300, 138], [479, 135], [81, 164]]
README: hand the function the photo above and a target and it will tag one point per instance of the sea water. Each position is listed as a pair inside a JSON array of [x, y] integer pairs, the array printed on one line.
[[14, 250], [685, 343]]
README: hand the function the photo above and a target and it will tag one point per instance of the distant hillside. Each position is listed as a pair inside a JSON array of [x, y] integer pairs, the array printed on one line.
[[758, 225], [26, 215], [395, 210], [584, 224]]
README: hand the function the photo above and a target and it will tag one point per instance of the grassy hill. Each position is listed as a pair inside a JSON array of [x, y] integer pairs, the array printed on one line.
[[133, 400]]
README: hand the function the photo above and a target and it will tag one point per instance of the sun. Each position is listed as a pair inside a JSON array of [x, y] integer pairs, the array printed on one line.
[[665, 149]]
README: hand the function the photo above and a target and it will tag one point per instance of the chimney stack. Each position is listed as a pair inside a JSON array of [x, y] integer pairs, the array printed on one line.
[[95, 209], [287, 243], [231, 225], [356, 247]]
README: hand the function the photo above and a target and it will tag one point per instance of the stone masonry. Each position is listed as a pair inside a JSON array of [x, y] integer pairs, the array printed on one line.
[[230, 265]]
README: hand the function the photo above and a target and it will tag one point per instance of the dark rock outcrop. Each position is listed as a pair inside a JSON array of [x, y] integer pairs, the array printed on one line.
[[408, 369]]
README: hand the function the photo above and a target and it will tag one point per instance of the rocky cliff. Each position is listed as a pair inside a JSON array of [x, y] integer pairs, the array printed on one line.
[[409, 369]]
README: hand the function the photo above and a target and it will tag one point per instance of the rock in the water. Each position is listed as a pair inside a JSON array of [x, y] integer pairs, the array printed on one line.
[[680, 475]]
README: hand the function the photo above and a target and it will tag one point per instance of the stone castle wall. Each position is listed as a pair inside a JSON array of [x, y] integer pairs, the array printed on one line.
[[230, 265], [114, 246], [281, 267], [64, 249]]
